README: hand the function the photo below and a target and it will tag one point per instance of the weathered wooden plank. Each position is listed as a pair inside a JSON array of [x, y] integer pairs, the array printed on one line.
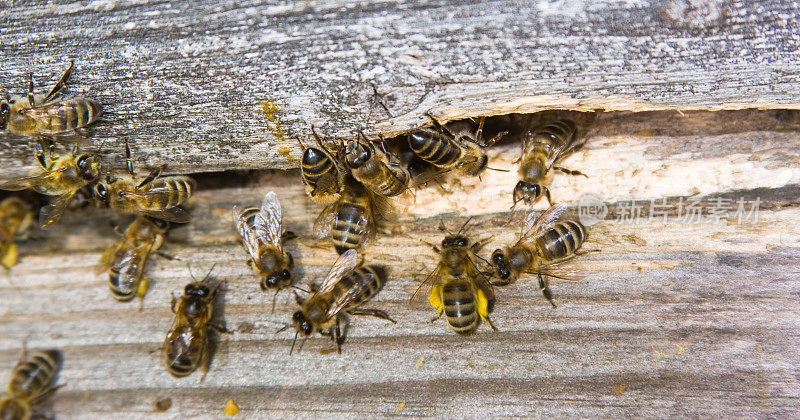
[[671, 319], [185, 82]]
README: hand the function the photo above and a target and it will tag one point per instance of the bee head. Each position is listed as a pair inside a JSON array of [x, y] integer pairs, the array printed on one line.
[[276, 280], [356, 154], [451, 241], [100, 192], [301, 323], [14, 408], [196, 289], [527, 192], [499, 262], [88, 167], [475, 168]]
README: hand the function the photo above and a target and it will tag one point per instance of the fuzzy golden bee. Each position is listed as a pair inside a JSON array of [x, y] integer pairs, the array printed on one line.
[[347, 285], [62, 177], [456, 146], [375, 168], [49, 115], [32, 381], [350, 220], [321, 172], [126, 260], [187, 344], [458, 289], [541, 150], [155, 196], [262, 234], [547, 240], [15, 217]]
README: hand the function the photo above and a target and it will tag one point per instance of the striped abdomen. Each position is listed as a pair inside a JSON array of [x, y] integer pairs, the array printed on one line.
[[184, 350], [166, 192], [436, 150], [383, 179], [360, 285], [561, 240], [351, 227], [126, 274], [549, 137], [318, 169], [460, 307], [70, 115], [36, 376]]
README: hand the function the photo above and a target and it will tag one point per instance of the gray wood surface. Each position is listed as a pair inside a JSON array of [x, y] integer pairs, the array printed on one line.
[[671, 319], [185, 82]]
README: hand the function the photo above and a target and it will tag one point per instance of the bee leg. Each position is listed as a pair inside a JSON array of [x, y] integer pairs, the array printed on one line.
[[569, 172], [9, 258], [219, 328], [547, 194], [288, 235], [61, 82], [477, 246], [151, 176], [379, 99], [546, 290], [172, 304], [167, 256], [128, 163], [40, 154], [377, 313], [140, 292], [337, 336], [30, 90], [483, 308]]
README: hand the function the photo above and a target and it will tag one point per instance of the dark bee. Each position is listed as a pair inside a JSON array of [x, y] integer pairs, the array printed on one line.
[[320, 172], [547, 240], [157, 197], [187, 344], [126, 260], [349, 221], [62, 177], [30, 116], [456, 146], [31, 382], [375, 168], [346, 286], [458, 289], [541, 149]]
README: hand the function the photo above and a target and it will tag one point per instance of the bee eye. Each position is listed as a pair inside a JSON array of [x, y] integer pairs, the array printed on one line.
[[285, 274], [100, 191]]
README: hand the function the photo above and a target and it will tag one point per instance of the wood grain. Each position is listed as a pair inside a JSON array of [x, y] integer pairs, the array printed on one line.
[[671, 319]]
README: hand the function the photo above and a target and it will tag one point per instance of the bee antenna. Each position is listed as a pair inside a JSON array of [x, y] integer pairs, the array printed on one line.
[[300, 289], [293, 342], [302, 147], [282, 328], [464, 225], [209, 273], [498, 169], [189, 266]]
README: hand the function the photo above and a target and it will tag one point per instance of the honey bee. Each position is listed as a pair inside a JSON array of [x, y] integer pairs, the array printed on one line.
[[545, 241], [375, 168], [31, 382], [541, 149], [157, 197], [349, 221], [62, 177], [347, 285], [15, 218], [30, 116], [320, 172], [459, 289], [187, 344], [263, 237], [456, 146], [126, 260]]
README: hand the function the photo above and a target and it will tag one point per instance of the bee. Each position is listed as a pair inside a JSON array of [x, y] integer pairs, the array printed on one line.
[[187, 345], [321, 172], [347, 285], [349, 221], [157, 197], [375, 168], [30, 116], [546, 240], [126, 260], [456, 146], [62, 177], [541, 149], [31, 382], [459, 289], [15, 218], [263, 237]]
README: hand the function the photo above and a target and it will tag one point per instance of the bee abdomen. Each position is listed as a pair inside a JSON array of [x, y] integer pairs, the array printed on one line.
[[181, 366], [437, 151], [177, 189], [73, 114], [395, 182], [121, 291], [249, 216], [346, 232], [314, 165], [459, 307], [363, 282], [557, 132], [561, 240], [36, 375]]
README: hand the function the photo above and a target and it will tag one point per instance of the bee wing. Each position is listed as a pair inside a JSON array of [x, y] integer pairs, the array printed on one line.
[[563, 270], [248, 235], [565, 149], [50, 213], [22, 183], [324, 222], [106, 259], [268, 221], [172, 214], [420, 300], [346, 263], [534, 227]]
